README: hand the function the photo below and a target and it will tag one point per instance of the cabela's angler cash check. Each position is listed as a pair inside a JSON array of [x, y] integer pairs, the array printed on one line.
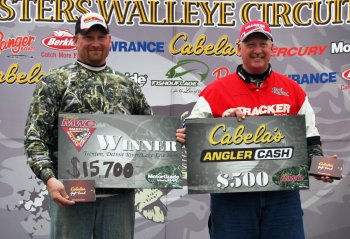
[[265, 153]]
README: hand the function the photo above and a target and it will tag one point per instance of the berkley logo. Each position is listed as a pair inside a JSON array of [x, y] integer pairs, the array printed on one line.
[[61, 40], [78, 131], [346, 74]]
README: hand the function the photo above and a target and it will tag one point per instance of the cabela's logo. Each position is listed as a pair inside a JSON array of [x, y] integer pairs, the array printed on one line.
[[61, 40], [78, 131]]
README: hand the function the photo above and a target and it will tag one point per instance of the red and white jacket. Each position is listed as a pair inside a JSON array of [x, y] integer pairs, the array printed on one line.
[[278, 95]]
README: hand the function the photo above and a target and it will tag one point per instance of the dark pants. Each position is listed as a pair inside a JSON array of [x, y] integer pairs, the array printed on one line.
[[256, 215], [108, 217]]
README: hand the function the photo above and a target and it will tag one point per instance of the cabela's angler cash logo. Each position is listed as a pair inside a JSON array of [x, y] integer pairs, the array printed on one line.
[[291, 177]]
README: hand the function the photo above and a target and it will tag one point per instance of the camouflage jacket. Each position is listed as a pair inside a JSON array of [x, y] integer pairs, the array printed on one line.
[[75, 89]]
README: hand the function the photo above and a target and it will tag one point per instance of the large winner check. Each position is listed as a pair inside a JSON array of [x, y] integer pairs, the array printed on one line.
[[266, 153], [120, 151]]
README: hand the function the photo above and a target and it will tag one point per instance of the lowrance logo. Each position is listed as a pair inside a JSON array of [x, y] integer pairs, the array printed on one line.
[[314, 78], [61, 40], [139, 46]]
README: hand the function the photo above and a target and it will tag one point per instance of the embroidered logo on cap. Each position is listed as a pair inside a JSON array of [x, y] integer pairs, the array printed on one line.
[[90, 20]]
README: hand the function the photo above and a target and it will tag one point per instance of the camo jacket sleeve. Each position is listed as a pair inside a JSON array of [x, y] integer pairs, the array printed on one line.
[[40, 127], [314, 148], [141, 105]]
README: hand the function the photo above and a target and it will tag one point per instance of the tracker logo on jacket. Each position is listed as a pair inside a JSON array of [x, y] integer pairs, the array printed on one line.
[[277, 109]]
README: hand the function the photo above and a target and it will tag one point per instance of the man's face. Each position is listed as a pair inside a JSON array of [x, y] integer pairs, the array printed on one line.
[[93, 48], [256, 51]]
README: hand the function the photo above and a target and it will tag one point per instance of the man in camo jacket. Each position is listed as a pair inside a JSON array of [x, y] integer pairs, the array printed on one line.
[[87, 85]]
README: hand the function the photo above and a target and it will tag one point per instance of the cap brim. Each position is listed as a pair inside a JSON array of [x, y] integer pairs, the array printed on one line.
[[96, 26], [268, 35]]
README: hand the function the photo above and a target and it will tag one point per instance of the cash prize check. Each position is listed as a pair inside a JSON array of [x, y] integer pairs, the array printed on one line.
[[120, 151], [265, 153]]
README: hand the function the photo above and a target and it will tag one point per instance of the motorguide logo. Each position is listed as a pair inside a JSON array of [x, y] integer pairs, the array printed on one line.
[[61, 40], [340, 47], [163, 178]]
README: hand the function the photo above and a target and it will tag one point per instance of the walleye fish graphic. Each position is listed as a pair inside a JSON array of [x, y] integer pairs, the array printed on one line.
[[175, 72]]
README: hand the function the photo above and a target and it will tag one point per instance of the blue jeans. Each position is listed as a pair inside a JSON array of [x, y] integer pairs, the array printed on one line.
[[108, 217], [256, 215]]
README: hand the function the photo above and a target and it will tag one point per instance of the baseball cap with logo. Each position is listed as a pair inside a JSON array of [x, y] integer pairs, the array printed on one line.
[[89, 20], [255, 26]]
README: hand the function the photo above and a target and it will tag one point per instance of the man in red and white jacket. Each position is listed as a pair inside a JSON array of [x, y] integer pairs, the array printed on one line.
[[255, 90]]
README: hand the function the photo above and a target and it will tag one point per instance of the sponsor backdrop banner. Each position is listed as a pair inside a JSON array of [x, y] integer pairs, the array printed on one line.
[[173, 49], [265, 153]]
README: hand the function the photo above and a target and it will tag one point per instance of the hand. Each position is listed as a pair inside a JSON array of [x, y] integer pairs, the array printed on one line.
[[181, 135], [326, 179], [58, 193], [234, 112]]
